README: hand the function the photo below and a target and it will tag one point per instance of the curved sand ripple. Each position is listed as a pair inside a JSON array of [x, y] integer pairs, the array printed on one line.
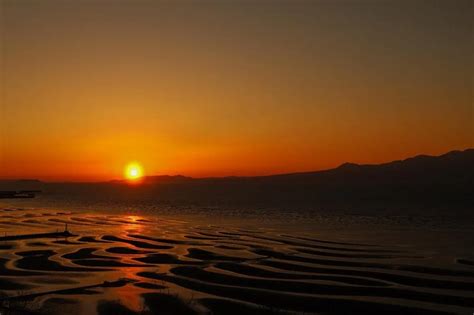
[[226, 271]]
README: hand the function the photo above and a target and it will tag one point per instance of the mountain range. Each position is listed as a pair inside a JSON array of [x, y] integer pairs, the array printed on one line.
[[446, 179]]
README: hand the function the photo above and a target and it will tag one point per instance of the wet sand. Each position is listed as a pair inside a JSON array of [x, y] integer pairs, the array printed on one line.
[[122, 264]]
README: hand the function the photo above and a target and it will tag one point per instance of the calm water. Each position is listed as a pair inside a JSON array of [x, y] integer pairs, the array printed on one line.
[[446, 229]]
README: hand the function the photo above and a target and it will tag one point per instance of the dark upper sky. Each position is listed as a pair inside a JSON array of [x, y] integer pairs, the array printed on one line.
[[230, 87]]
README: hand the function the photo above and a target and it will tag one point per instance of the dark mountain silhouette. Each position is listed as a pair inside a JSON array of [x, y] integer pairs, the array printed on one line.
[[452, 166], [448, 178], [428, 180]]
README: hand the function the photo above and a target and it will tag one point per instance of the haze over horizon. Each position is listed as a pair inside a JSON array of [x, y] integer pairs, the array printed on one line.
[[235, 88], [123, 178]]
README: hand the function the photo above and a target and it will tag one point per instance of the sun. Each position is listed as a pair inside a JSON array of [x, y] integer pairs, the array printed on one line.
[[133, 171]]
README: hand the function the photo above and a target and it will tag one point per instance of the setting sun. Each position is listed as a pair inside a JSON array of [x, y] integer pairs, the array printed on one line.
[[201, 151], [133, 171]]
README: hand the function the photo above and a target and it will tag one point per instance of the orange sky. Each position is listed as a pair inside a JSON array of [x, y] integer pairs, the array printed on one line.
[[229, 88]]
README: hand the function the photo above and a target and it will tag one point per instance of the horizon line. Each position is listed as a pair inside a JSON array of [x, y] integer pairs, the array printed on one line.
[[234, 176]]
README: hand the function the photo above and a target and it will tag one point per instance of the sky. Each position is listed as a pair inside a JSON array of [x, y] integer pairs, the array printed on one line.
[[218, 88]]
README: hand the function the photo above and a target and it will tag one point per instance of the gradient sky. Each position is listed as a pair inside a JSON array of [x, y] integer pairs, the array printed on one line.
[[211, 88]]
